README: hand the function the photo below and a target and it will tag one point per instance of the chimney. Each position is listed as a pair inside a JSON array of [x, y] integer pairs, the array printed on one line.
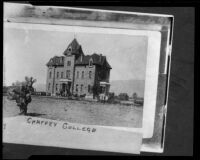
[[100, 57], [81, 57]]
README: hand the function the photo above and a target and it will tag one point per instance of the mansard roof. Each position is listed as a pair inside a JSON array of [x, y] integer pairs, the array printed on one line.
[[97, 59], [81, 59], [56, 61], [75, 48]]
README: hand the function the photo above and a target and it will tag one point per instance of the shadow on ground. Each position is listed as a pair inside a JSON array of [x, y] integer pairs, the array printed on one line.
[[34, 114]]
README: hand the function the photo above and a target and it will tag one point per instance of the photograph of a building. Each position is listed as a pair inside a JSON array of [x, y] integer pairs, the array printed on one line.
[[81, 77], [75, 73]]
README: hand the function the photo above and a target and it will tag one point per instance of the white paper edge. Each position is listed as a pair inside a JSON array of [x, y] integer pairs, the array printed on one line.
[[152, 67], [10, 4]]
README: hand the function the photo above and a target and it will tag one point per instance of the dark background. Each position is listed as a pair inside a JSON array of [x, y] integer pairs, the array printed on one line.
[[179, 129]]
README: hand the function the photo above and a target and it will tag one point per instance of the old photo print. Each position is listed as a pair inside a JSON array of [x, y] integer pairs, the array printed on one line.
[[69, 65], [80, 83]]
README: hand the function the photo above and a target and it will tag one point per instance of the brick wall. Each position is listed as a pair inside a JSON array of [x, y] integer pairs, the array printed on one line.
[[49, 79], [58, 70], [70, 72], [84, 81], [70, 68], [60, 73], [56, 79]]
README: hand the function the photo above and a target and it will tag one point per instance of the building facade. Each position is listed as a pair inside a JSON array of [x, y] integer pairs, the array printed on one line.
[[78, 74]]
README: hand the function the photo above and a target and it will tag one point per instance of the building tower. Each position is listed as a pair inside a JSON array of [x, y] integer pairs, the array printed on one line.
[[60, 70], [72, 53]]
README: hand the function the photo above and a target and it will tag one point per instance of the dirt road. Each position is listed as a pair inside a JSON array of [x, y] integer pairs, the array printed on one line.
[[93, 113]]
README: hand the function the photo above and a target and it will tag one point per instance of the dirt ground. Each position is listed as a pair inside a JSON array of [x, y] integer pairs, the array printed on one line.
[[92, 113]]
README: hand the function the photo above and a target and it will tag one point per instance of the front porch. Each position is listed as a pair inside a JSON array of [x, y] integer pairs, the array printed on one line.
[[104, 90], [65, 88]]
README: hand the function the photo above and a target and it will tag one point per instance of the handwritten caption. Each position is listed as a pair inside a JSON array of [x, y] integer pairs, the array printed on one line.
[[65, 125]]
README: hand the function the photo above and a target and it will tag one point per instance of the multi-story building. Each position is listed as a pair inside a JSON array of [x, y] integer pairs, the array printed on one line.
[[75, 73]]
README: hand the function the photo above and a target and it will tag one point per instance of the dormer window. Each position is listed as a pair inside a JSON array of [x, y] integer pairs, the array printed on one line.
[[68, 63], [70, 49], [90, 62], [61, 60], [51, 61]]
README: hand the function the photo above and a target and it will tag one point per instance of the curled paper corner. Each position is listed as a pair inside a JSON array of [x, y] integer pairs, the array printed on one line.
[[12, 10]]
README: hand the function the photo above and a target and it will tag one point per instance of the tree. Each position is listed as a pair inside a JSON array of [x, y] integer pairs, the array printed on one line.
[[21, 92], [123, 96], [29, 82], [135, 95], [17, 83]]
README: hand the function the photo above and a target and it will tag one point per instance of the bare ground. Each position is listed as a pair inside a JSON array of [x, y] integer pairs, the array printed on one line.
[[92, 113]]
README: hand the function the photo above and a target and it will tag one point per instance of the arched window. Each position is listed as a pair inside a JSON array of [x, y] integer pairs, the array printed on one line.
[[68, 63], [56, 87], [70, 49], [90, 74], [91, 63], [82, 74], [77, 75], [49, 74], [49, 86], [77, 88], [68, 74], [81, 87]]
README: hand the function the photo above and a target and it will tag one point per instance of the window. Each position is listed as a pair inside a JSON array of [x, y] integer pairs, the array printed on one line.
[[90, 63], [77, 75], [90, 74], [49, 86], [49, 74], [56, 87], [77, 88], [89, 88], [61, 74], [82, 74], [68, 74], [68, 63], [57, 74], [81, 87], [70, 49]]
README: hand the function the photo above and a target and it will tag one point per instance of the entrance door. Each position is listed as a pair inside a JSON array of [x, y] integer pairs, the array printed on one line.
[[102, 89], [68, 87], [64, 89]]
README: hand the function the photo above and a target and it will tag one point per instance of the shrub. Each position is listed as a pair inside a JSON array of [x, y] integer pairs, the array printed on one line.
[[123, 96]]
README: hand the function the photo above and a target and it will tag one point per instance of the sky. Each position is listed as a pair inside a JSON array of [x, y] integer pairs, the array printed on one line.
[[26, 52]]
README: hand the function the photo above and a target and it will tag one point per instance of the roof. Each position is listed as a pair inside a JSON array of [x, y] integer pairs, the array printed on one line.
[[81, 59], [75, 48], [56, 61], [97, 60]]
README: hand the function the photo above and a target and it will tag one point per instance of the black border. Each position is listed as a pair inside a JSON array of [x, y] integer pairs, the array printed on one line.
[[140, 3]]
